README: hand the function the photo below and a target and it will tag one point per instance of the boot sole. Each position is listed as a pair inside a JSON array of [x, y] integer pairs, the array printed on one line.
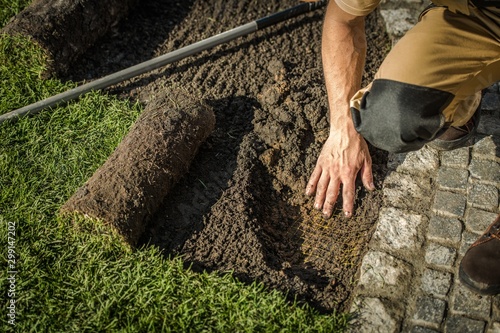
[[464, 141], [480, 288]]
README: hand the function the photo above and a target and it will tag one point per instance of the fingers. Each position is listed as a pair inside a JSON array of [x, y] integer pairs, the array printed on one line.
[[321, 190], [327, 194], [348, 193], [349, 187], [326, 189], [331, 197], [367, 175], [313, 181]]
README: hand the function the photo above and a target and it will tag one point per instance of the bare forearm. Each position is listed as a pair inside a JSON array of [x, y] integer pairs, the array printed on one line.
[[343, 56], [345, 152]]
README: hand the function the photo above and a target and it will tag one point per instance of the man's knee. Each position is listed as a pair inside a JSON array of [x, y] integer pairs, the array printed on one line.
[[400, 117]]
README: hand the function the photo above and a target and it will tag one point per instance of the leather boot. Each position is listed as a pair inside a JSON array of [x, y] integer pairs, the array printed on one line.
[[480, 267]]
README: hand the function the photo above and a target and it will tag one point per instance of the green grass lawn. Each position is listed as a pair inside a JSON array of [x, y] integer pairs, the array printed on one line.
[[79, 277]]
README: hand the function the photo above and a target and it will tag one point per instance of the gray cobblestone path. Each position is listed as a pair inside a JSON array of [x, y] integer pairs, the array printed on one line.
[[436, 205]]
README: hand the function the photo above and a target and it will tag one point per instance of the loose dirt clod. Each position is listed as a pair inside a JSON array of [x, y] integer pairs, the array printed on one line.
[[155, 154]]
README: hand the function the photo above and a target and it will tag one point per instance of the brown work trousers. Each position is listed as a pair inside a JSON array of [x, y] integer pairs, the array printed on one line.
[[431, 79]]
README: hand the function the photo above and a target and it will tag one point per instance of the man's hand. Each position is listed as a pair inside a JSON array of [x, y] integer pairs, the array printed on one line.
[[345, 153], [342, 157]]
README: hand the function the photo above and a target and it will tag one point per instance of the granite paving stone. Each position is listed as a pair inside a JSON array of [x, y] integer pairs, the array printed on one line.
[[440, 255], [434, 282], [483, 196], [373, 317], [487, 147], [470, 304], [452, 178], [444, 229], [455, 324], [458, 158], [430, 310], [402, 189], [485, 170], [490, 101], [398, 230], [479, 220], [420, 162], [383, 274], [468, 238], [450, 204], [489, 124]]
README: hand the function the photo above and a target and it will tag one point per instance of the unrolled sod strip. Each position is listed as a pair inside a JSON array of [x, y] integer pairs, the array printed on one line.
[[130, 186]]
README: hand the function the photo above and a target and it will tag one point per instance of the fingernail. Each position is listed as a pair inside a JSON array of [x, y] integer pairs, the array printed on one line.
[[369, 186], [347, 214], [317, 206]]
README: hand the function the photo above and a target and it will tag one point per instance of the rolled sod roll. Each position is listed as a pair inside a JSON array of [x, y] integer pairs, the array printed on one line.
[[66, 29], [131, 185]]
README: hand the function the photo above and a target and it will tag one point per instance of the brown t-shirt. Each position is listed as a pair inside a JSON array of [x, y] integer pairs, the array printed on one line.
[[365, 7], [358, 7]]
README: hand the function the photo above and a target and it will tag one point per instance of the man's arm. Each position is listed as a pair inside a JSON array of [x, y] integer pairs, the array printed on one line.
[[345, 152]]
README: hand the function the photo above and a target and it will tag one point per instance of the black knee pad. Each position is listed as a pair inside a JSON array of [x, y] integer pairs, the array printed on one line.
[[400, 117]]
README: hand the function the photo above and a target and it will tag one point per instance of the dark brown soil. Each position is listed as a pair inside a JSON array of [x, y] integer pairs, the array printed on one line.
[[241, 207]]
